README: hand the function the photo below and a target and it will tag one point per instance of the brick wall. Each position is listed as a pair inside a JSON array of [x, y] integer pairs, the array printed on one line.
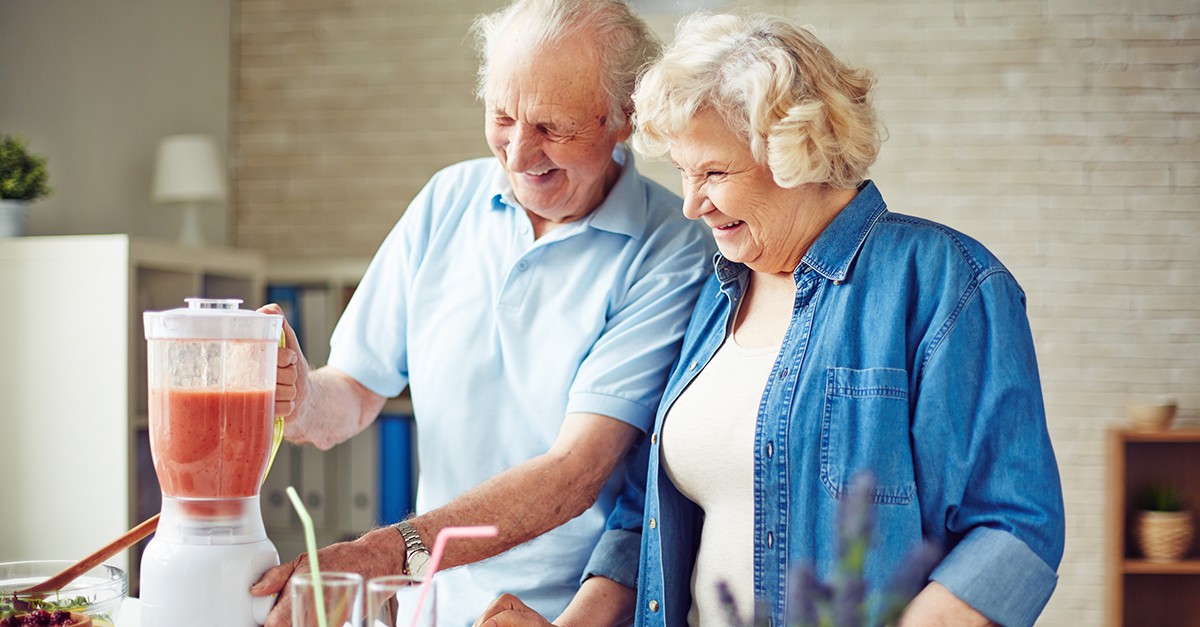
[[1061, 133]]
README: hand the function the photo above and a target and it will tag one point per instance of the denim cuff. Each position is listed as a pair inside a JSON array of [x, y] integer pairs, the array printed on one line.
[[998, 575], [616, 557]]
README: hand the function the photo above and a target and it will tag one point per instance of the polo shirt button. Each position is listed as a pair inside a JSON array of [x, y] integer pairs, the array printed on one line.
[[770, 539], [653, 605], [653, 523], [522, 265]]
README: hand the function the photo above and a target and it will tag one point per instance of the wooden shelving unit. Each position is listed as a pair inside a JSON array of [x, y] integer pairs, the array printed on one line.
[[1142, 592]]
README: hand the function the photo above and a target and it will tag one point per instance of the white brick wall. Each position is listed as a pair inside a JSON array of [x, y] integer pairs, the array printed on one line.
[[1061, 133]]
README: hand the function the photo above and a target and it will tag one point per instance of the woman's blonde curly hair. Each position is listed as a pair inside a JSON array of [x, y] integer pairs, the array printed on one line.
[[804, 114]]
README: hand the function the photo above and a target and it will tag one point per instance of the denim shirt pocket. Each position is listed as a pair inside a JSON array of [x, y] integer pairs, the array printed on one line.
[[864, 426]]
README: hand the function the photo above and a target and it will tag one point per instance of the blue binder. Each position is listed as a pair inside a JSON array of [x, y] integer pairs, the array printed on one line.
[[397, 470]]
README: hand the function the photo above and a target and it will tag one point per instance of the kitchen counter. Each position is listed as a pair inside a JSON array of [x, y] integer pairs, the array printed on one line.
[[131, 612]]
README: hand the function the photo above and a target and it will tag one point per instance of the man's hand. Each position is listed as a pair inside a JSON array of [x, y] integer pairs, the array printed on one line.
[[291, 369], [509, 611], [373, 555]]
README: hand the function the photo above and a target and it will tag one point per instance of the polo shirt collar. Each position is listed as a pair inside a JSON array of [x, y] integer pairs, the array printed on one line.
[[623, 210]]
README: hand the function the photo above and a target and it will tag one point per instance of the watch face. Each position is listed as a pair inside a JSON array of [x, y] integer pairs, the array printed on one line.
[[418, 561]]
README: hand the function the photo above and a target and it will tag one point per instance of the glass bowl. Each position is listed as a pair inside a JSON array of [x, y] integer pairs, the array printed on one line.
[[97, 593]]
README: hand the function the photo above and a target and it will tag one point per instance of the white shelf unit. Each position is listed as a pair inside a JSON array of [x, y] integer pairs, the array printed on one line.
[[73, 381], [339, 487]]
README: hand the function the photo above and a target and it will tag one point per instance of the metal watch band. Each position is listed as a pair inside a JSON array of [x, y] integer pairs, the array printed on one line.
[[416, 555]]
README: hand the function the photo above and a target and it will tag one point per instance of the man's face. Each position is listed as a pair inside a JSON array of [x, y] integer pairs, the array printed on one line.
[[547, 124]]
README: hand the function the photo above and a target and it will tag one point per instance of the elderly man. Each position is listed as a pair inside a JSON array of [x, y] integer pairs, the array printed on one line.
[[533, 303]]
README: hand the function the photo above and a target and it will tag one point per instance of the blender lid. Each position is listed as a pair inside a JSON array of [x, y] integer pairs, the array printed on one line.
[[212, 319]]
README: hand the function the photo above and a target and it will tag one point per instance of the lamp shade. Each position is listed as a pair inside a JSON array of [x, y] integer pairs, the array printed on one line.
[[188, 169]]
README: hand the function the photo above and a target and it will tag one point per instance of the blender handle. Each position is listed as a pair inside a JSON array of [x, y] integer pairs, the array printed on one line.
[[277, 430]]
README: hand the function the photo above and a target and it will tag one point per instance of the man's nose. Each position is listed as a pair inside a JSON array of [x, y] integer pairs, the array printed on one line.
[[524, 147]]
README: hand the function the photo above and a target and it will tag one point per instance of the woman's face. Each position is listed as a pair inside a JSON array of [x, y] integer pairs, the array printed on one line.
[[754, 221]]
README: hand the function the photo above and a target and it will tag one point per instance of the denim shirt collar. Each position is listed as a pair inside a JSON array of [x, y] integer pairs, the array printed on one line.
[[835, 249], [623, 211]]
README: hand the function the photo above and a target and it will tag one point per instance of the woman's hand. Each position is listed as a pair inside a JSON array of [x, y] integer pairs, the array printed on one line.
[[509, 611], [291, 369]]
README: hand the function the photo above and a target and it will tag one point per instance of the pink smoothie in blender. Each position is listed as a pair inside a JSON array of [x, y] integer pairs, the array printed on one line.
[[211, 372]]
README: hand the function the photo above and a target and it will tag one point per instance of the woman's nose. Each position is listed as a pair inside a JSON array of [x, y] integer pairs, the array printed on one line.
[[693, 199], [524, 147]]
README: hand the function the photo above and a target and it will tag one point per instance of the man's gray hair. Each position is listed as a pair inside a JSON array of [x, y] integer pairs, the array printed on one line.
[[625, 45]]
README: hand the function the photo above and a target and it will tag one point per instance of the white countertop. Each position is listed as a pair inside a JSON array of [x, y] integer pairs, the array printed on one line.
[[130, 614]]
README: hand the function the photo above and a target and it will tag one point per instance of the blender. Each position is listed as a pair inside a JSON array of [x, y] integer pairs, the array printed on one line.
[[211, 369]]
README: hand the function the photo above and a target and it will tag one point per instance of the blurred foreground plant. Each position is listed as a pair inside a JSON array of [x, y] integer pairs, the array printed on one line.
[[844, 601]]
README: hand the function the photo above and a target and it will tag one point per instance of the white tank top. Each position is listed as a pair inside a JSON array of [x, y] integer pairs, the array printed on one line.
[[708, 452]]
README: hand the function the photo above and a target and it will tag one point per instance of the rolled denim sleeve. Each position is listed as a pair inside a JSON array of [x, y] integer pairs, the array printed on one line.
[[989, 484], [998, 575]]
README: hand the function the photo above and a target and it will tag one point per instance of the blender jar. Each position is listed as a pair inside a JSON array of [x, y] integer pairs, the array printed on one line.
[[211, 371]]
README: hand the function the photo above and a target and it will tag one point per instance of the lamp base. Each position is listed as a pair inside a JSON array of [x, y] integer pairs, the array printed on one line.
[[190, 234]]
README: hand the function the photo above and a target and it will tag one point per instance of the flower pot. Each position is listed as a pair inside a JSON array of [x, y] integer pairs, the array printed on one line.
[[1164, 536], [13, 214]]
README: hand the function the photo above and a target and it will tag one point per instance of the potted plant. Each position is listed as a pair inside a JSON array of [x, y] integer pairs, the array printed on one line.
[[1163, 526], [23, 179]]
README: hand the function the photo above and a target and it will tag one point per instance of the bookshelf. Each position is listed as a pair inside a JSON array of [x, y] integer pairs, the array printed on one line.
[[73, 381], [354, 486], [1141, 592]]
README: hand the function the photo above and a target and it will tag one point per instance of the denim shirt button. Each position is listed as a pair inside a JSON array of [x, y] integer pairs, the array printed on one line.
[[653, 523], [653, 605], [770, 540], [770, 449], [783, 373], [693, 366], [654, 438]]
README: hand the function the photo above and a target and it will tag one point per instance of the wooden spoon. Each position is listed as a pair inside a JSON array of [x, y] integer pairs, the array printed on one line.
[[69, 574]]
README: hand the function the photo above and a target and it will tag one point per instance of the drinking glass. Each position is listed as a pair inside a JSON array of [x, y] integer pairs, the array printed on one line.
[[392, 602], [343, 594]]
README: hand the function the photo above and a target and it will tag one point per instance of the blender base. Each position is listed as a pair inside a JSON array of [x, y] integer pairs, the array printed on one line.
[[188, 585]]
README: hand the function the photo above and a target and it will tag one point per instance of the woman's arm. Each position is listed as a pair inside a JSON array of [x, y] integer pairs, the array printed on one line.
[[936, 606], [599, 602]]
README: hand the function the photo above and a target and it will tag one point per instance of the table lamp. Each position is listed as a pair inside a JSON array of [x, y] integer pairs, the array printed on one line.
[[188, 171]]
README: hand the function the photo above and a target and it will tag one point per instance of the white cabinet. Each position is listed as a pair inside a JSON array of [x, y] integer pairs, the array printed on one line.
[[73, 381]]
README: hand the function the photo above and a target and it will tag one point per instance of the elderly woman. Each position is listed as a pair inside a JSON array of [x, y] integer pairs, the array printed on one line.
[[834, 337]]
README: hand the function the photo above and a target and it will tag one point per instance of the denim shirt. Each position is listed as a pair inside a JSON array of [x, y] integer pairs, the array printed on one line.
[[908, 354]]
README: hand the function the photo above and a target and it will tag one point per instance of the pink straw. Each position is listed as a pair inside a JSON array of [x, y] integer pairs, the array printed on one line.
[[439, 546]]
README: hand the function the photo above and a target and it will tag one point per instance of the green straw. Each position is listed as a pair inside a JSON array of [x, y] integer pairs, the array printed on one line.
[[310, 539]]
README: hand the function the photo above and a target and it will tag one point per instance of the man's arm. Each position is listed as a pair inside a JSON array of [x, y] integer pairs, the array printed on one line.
[[324, 407], [523, 502], [534, 497]]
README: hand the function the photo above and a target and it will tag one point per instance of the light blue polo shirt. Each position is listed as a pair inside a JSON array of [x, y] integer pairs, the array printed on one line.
[[500, 336]]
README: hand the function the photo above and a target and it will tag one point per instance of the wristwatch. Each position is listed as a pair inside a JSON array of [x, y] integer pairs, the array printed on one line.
[[417, 556]]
